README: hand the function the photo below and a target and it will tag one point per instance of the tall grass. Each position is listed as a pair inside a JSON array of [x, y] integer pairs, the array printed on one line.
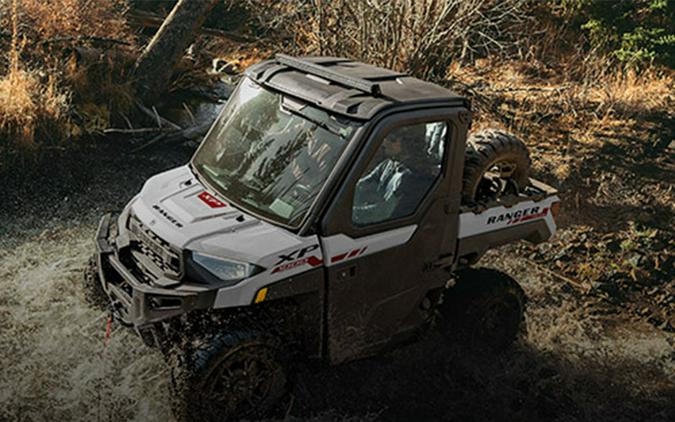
[[46, 91], [26, 102], [27, 105]]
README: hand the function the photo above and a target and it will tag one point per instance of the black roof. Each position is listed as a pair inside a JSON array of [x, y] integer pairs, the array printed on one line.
[[348, 87]]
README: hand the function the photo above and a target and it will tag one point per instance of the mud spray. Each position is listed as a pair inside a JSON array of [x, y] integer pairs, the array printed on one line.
[[55, 363]]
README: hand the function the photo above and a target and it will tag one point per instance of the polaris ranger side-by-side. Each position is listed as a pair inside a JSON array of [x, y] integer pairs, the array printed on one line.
[[333, 210]]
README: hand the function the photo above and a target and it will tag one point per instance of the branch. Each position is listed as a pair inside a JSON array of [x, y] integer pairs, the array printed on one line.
[[179, 135], [583, 287], [134, 131], [155, 116], [151, 20], [80, 38]]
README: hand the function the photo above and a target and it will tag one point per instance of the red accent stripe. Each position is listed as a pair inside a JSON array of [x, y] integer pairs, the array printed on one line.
[[314, 261], [337, 258], [350, 254], [530, 217]]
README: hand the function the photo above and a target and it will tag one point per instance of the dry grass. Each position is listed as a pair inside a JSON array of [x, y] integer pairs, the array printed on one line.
[[567, 119], [27, 105], [49, 20], [627, 94], [47, 91], [17, 105], [602, 139], [26, 102]]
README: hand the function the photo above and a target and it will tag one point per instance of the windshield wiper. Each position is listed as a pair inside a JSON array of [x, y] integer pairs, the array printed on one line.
[[322, 125]]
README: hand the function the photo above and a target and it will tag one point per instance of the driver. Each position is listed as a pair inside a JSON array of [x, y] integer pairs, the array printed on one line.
[[397, 184]]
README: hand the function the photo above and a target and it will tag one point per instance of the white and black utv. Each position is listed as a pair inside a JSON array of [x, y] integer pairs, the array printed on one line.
[[333, 211]]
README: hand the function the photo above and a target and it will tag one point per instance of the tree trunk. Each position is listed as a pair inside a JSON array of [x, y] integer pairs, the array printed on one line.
[[155, 65]]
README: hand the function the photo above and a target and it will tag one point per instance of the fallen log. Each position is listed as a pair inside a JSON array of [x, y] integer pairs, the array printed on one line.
[[151, 20], [156, 64], [90, 55]]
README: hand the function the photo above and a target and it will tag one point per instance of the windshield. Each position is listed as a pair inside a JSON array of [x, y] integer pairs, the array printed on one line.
[[271, 154]]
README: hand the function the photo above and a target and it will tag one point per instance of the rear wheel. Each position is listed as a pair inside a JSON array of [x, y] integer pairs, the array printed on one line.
[[484, 310], [227, 377], [496, 163]]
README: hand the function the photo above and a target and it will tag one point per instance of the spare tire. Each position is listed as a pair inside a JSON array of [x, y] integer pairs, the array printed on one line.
[[500, 154]]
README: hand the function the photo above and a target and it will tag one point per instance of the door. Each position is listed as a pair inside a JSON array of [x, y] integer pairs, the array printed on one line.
[[389, 227]]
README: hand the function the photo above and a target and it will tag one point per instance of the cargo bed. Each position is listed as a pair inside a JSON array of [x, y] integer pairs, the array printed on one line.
[[529, 215]]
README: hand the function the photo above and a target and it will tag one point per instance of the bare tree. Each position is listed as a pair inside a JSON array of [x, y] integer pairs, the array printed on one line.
[[155, 65], [417, 36]]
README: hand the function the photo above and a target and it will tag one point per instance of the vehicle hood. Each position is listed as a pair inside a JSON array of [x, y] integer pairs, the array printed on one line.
[[183, 212]]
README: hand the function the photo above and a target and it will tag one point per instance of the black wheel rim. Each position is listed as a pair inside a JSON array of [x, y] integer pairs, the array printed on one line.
[[245, 383], [497, 180], [497, 325], [505, 168]]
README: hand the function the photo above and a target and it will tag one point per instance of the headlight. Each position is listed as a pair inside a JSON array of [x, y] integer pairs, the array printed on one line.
[[226, 269]]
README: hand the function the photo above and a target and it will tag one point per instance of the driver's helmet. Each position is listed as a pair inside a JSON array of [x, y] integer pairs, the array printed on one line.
[[413, 150]]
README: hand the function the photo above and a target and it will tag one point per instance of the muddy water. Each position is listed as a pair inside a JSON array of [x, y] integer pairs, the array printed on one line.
[[54, 364], [54, 359]]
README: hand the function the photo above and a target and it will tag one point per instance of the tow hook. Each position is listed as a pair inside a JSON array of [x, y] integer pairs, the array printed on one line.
[[114, 309]]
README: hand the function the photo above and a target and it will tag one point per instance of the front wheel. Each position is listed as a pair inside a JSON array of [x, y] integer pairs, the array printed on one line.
[[483, 311], [227, 377]]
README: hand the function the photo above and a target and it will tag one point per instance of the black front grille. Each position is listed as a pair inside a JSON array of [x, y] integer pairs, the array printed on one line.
[[158, 251]]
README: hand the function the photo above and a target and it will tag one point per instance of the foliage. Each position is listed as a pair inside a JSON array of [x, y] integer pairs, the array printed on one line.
[[636, 32]]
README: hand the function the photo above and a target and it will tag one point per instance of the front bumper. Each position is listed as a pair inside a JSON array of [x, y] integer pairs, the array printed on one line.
[[134, 302]]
